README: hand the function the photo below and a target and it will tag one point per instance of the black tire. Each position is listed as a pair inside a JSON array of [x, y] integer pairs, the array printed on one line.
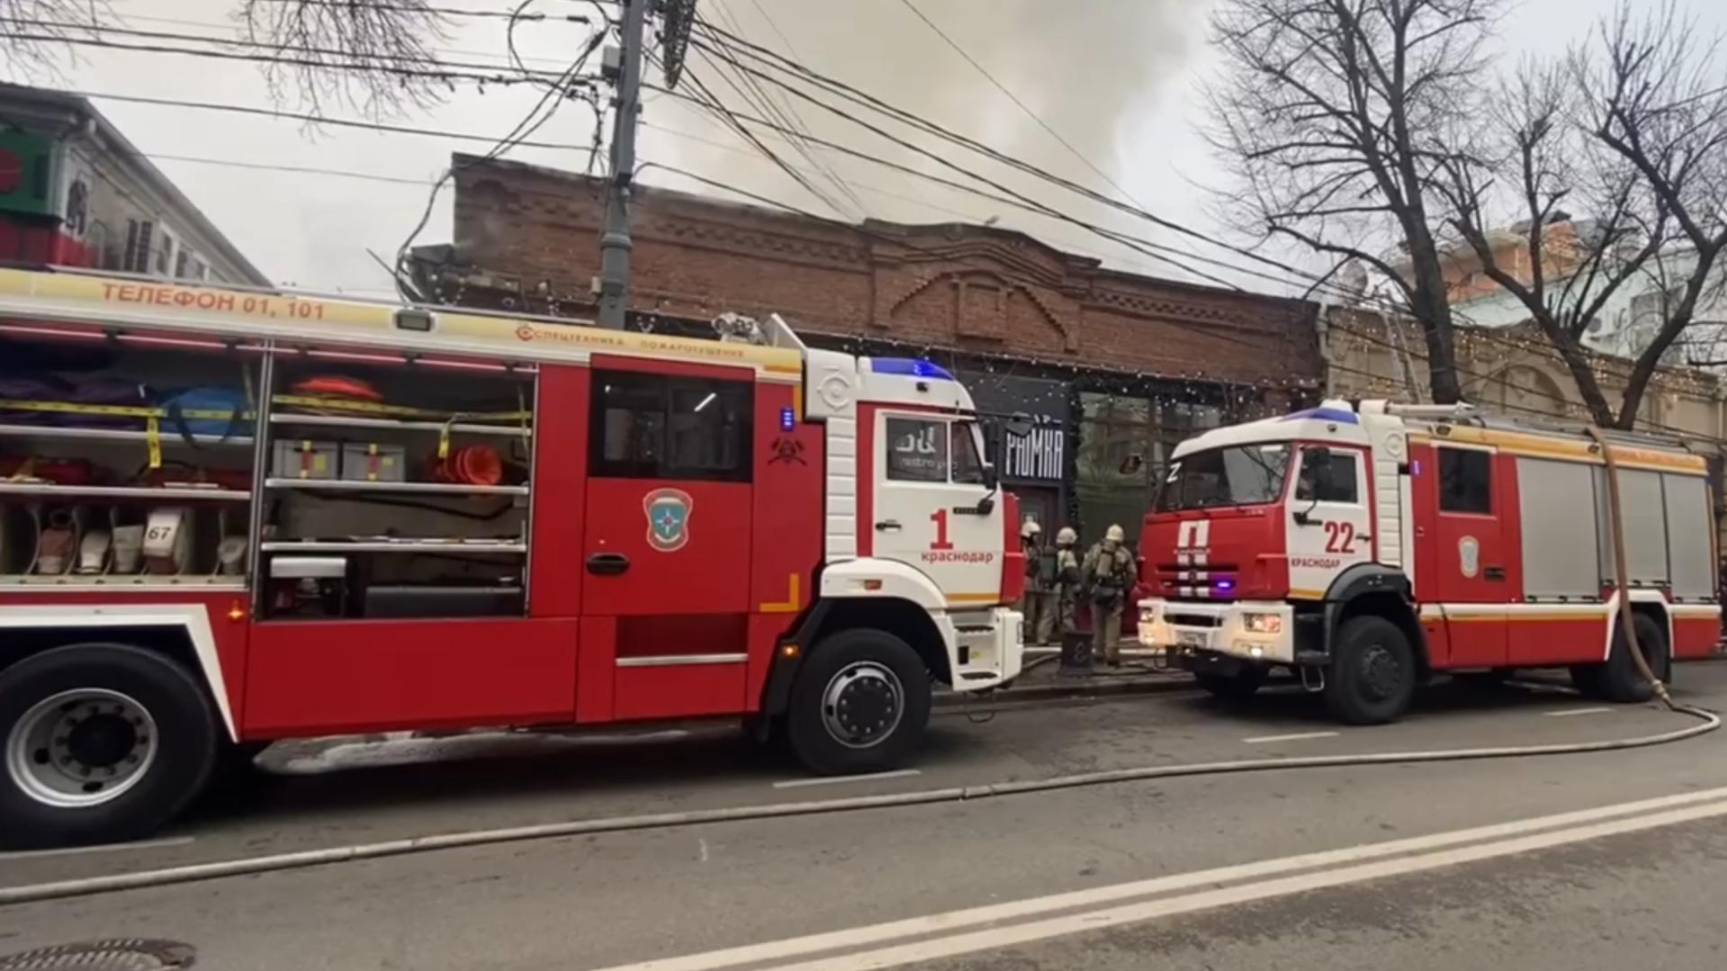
[[831, 673], [185, 744], [1373, 672], [1619, 679], [1586, 678], [1239, 686]]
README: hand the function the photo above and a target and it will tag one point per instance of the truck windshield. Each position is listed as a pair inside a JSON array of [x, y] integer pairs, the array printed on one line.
[[1241, 475]]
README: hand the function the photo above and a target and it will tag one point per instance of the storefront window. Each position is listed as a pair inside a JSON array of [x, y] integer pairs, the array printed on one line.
[[1125, 442]]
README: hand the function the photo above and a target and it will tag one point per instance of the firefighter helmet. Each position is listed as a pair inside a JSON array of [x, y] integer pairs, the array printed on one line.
[[1114, 534], [1066, 536], [1029, 528]]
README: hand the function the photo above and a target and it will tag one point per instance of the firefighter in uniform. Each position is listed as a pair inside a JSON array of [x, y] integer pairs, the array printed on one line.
[[1038, 601], [1067, 581], [1108, 573]]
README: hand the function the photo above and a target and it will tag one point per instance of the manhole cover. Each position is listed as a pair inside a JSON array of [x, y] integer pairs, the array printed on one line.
[[119, 954]]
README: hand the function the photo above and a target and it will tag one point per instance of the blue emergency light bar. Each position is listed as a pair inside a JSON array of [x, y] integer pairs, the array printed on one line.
[[911, 367]]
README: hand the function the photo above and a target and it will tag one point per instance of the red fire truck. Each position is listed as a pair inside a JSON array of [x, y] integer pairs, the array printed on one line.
[[229, 517], [1368, 546]]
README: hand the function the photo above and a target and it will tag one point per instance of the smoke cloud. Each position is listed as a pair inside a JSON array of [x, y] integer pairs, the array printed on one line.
[[1105, 74]]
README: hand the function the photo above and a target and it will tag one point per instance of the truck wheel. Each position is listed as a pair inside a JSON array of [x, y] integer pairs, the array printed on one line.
[[1239, 686], [98, 743], [1618, 679], [1372, 676], [860, 704]]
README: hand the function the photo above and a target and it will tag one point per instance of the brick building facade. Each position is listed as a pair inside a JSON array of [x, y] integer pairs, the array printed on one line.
[[1134, 362]]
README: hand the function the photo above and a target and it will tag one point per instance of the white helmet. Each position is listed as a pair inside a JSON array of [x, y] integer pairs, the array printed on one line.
[[1114, 534], [1030, 528], [1066, 536]]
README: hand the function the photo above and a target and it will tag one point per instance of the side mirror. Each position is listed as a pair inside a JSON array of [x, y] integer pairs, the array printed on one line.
[[991, 480]]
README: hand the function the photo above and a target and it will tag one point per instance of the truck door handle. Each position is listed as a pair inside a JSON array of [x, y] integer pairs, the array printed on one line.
[[1494, 573], [608, 564], [888, 525]]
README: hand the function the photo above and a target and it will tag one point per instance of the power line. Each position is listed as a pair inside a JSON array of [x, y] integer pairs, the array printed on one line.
[[240, 42], [1201, 328], [856, 96], [424, 9], [909, 5], [316, 119], [536, 118], [183, 22], [780, 110], [440, 74], [1003, 194], [708, 100]]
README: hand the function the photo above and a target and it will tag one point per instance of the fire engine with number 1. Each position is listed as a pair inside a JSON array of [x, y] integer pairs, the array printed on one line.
[[229, 517]]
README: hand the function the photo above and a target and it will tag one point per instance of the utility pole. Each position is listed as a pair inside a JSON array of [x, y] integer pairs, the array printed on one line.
[[615, 244]]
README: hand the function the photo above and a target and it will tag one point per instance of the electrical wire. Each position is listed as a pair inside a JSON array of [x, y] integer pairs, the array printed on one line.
[[211, 25], [315, 119], [931, 252], [1317, 281], [241, 42], [435, 73], [426, 8], [1025, 109], [780, 110], [712, 103], [536, 118]]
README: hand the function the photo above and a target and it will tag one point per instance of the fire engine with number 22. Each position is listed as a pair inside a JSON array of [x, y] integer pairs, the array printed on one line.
[[229, 517], [1366, 546]]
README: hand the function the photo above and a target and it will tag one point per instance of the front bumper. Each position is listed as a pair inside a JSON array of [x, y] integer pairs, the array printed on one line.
[[1179, 627], [986, 650]]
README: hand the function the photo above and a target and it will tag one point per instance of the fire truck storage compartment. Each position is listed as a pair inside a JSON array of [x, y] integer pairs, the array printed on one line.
[[420, 489], [1666, 541], [125, 459]]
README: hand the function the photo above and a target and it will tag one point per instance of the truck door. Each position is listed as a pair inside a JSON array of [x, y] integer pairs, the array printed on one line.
[[1330, 528], [1468, 576], [927, 482], [667, 549]]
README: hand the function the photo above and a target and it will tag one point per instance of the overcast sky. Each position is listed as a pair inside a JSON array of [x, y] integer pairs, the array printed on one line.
[[1117, 79]]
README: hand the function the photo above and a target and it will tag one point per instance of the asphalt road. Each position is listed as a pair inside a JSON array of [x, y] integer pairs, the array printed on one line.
[[1405, 876]]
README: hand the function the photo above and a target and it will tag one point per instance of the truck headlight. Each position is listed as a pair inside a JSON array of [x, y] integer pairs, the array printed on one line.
[[1262, 623]]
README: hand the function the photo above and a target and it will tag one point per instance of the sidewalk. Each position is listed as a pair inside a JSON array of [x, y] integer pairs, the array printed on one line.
[[1042, 679]]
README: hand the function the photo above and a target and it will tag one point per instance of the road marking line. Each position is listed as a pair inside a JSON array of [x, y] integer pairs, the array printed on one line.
[[836, 779], [166, 841], [1042, 906], [1568, 712], [998, 938], [1296, 737]]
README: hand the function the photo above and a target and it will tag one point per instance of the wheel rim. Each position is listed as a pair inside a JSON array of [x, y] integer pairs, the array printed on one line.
[[81, 748], [1381, 673], [862, 704]]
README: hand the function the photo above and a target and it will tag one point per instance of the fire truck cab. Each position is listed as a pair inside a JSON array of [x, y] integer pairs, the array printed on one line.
[[1366, 546], [229, 517]]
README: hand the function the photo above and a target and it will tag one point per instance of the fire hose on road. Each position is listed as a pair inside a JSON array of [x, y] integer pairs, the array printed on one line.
[[1708, 722], [369, 851]]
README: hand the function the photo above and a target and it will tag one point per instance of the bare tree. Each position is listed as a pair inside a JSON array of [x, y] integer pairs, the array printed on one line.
[[32, 32], [1335, 116], [376, 55], [1630, 132]]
